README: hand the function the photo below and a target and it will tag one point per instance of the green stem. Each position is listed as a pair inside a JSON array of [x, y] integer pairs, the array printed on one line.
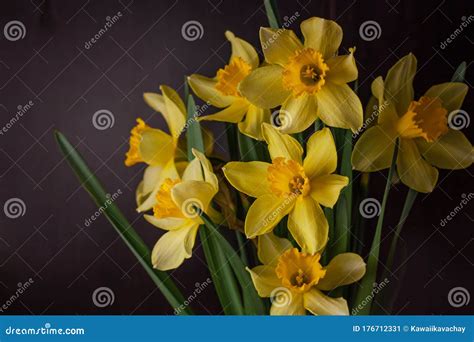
[[272, 13]]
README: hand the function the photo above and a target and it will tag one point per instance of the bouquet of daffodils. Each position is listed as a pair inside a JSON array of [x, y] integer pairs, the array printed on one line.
[[281, 221]]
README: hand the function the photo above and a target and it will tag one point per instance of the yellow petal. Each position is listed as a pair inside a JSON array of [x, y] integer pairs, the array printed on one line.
[[325, 189], [281, 145], [264, 279], [399, 83], [156, 147], [151, 176], [248, 177], [169, 223], [308, 225], [374, 149], [264, 87], [234, 113], [298, 113], [321, 157], [205, 89], [451, 151], [265, 213], [319, 304], [175, 115], [242, 49], [270, 247], [342, 69], [339, 106], [252, 124], [192, 195], [383, 110], [287, 303], [200, 169], [451, 94], [278, 44], [322, 35], [413, 170], [343, 269], [173, 247]]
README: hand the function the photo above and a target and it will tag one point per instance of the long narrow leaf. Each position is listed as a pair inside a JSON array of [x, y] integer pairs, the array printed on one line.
[[272, 13], [120, 223]]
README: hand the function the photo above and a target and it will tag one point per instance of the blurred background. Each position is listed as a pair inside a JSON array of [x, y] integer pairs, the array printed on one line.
[[58, 78]]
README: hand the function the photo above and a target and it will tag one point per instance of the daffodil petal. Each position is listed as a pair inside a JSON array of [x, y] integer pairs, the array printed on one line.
[[205, 89], [265, 213], [321, 156], [175, 115], [270, 247], [451, 151], [281, 145], [234, 113], [308, 225], [252, 124], [343, 269], [413, 170], [339, 106], [169, 223], [173, 247], [322, 35], [264, 87], [325, 189], [200, 169], [451, 94], [242, 49], [278, 44], [264, 279], [248, 177], [192, 193], [298, 113], [151, 176], [287, 303], [156, 147], [374, 149], [399, 83], [319, 304], [342, 69]]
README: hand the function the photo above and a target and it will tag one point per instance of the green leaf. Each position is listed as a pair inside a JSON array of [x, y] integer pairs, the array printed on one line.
[[193, 133], [272, 13], [367, 282], [460, 73], [90, 183]]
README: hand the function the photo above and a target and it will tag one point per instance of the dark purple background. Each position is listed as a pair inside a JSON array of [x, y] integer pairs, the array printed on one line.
[[145, 48]]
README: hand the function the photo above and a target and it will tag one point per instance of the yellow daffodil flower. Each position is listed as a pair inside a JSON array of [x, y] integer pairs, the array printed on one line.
[[176, 211], [290, 185], [295, 280], [309, 80], [426, 141], [223, 90]]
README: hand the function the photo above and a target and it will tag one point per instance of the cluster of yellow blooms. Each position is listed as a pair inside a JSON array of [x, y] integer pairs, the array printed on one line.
[[309, 81]]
